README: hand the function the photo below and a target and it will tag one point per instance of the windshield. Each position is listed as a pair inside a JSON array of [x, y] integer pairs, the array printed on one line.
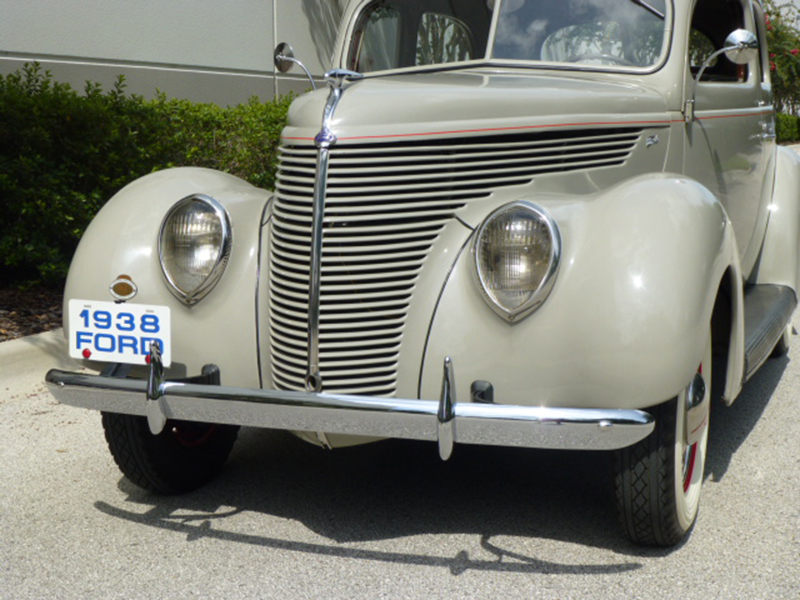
[[394, 34]]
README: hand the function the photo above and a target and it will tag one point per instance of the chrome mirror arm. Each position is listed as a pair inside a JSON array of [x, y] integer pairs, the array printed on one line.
[[705, 65], [305, 70], [284, 59], [688, 113], [737, 48]]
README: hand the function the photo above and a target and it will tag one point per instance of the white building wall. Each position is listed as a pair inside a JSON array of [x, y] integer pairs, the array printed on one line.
[[206, 50]]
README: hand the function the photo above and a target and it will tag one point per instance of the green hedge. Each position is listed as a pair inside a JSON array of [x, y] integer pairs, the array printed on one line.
[[788, 128], [64, 153]]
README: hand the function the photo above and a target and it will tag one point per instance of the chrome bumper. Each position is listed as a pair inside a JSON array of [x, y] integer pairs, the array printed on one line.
[[444, 421]]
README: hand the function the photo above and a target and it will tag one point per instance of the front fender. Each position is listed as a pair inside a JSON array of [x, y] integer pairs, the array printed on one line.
[[123, 239], [626, 322]]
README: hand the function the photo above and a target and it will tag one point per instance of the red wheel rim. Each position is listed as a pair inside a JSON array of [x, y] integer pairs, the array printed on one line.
[[191, 435]]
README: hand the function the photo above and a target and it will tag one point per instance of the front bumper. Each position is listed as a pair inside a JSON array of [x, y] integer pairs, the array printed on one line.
[[444, 421]]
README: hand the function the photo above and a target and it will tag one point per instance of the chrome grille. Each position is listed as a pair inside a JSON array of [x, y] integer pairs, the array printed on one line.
[[385, 206]]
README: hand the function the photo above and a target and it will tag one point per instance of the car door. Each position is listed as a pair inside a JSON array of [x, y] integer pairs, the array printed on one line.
[[725, 142], [768, 133]]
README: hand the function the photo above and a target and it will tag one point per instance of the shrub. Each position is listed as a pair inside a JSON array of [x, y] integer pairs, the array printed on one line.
[[63, 154], [787, 128], [783, 41]]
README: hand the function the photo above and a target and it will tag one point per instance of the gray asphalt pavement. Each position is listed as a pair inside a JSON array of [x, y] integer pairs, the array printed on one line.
[[286, 520]]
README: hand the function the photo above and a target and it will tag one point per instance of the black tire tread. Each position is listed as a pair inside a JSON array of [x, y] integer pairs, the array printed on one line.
[[644, 480], [158, 463]]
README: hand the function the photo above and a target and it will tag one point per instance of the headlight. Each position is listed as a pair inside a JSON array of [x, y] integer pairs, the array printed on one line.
[[194, 246], [517, 252]]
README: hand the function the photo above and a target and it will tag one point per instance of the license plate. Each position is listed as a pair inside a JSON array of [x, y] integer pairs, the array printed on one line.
[[121, 333]]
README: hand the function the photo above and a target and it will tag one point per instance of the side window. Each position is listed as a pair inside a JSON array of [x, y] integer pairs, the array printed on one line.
[[712, 22], [700, 48], [376, 42], [442, 39]]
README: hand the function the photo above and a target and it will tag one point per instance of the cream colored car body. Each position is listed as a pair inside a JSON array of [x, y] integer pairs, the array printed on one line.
[[699, 208]]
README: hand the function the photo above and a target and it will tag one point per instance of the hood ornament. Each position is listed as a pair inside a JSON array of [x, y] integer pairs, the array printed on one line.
[[337, 77], [336, 80]]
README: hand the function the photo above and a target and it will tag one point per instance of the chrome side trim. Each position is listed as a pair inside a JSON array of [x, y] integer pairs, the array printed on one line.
[[444, 421], [260, 268]]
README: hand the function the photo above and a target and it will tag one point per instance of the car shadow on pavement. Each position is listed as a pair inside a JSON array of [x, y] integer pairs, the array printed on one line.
[[396, 489], [364, 495], [730, 426]]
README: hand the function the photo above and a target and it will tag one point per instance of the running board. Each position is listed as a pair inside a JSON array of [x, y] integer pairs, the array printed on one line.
[[767, 311]]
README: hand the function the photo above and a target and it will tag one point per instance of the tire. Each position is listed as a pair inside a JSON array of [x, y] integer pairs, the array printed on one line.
[[658, 480], [181, 458]]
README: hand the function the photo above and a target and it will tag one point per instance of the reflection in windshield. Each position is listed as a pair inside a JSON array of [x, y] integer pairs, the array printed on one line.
[[393, 34], [598, 32]]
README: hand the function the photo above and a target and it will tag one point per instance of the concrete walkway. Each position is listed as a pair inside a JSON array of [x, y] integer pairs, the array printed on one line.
[[24, 361]]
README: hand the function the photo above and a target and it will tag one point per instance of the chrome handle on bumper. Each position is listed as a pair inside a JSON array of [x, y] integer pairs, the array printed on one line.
[[444, 421]]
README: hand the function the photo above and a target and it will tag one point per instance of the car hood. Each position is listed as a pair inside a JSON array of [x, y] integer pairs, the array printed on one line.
[[459, 102]]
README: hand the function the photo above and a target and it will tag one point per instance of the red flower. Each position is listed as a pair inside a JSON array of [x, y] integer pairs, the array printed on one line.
[[771, 66], [772, 55], [794, 51]]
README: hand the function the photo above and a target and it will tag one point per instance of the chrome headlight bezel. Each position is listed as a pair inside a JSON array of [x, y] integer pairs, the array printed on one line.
[[537, 294], [215, 266]]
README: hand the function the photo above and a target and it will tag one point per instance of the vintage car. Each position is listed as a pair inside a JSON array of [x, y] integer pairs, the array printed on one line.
[[508, 222]]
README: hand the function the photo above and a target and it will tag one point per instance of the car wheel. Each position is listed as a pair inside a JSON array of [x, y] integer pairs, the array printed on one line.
[[658, 480], [184, 456]]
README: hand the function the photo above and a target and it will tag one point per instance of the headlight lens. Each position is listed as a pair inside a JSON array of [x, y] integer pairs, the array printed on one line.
[[517, 252], [194, 246]]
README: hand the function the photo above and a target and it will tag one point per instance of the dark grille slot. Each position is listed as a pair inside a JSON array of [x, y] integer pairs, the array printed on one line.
[[385, 206], [462, 146]]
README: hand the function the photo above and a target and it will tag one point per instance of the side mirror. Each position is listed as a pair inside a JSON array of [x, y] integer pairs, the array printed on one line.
[[283, 57], [741, 47], [284, 60]]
